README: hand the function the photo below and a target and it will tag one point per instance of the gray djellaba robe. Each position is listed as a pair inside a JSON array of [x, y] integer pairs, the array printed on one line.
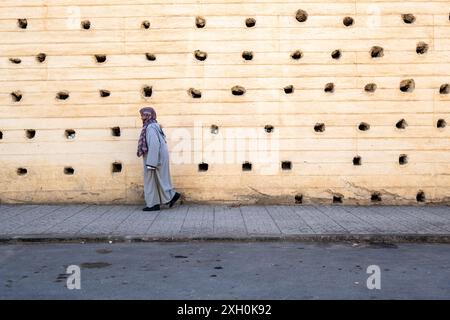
[[158, 187]]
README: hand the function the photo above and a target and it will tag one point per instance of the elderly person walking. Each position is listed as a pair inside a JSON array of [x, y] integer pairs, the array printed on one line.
[[152, 145]]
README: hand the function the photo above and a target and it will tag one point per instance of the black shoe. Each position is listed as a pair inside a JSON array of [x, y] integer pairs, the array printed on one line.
[[174, 199], [154, 208]]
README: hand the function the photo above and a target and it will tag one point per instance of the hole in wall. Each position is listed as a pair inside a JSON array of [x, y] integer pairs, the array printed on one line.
[[408, 18], [297, 55], [85, 24], [150, 56], [357, 161], [376, 52], [115, 131], [370, 87], [401, 124], [41, 57], [22, 23], [329, 88], [301, 15], [250, 22], [422, 48], [336, 54], [203, 166], [105, 93], [69, 133], [441, 124], [16, 96], [402, 159], [116, 167], [407, 85], [62, 95], [147, 91], [319, 127], [246, 166], [214, 129], [195, 93], [200, 22], [22, 171], [289, 89], [337, 198], [298, 198], [69, 170], [444, 89], [145, 24], [420, 197], [286, 165], [363, 126], [238, 90], [30, 133], [375, 197], [15, 60], [200, 55], [1, 135], [268, 128], [348, 21], [247, 55], [100, 58]]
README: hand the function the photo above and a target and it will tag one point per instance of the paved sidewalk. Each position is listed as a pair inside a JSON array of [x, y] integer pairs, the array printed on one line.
[[190, 221]]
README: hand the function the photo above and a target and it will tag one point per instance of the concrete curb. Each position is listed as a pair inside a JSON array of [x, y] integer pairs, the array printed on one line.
[[320, 238]]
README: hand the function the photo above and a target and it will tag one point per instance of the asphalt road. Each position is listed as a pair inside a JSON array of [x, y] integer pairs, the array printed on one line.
[[227, 270]]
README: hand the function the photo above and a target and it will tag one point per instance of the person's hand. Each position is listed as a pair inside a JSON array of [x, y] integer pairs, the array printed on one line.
[[151, 168]]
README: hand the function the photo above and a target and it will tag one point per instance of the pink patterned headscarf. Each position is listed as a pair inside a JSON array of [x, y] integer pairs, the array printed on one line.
[[149, 116]]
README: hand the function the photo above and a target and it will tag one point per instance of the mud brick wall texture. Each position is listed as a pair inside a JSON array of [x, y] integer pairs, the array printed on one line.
[[354, 95]]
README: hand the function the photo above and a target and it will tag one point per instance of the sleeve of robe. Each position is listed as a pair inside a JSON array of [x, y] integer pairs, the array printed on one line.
[[153, 147]]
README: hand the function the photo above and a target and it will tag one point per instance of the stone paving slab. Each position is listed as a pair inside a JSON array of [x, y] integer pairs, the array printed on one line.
[[194, 221], [229, 220]]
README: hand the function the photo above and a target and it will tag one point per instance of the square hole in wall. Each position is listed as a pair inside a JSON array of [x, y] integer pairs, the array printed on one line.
[[69, 133], [375, 197], [402, 159], [22, 23], [147, 91], [105, 93], [85, 24], [286, 165], [203, 166], [337, 198], [298, 198], [62, 95], [100, 58], [150, 56], [41, 57], [30, 133], [357, 161], [246, 166], [319, 127], [200, 55], [116, 167], [16, 96], [22, 171], [69, 171], [441, 124], [200, 22], [268, 128], [115, 131], [214, 129], [420, 196]]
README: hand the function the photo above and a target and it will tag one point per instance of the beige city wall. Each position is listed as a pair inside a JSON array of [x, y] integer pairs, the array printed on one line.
[[321, 162]]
